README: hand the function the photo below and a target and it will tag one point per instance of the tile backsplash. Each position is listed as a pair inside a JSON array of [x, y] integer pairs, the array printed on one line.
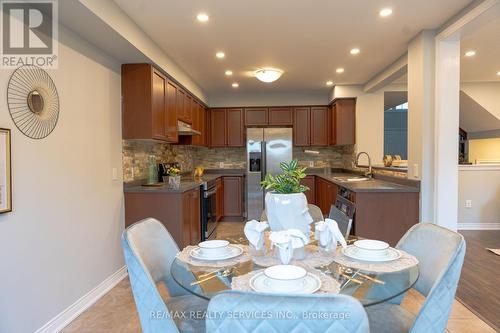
[[136, 152]]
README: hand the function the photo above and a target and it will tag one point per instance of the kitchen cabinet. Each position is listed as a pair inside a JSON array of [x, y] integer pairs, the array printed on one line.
[[233, 196], [319, 126], [282, 116], [326, 194], [149, 108], [199, 124], [227, 128], [219, 199], [178, 212], [301, 126], [309, 181], [182, 102], [256, 116], [343, 122]]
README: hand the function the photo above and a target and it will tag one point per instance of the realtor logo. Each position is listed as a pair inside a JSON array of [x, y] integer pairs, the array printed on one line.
[[29, 33]]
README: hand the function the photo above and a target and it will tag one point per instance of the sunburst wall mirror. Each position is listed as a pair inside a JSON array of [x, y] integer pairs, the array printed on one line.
[[33, 101]]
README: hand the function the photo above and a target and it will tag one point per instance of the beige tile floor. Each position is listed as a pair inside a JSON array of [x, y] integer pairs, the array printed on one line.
[[115, 312]]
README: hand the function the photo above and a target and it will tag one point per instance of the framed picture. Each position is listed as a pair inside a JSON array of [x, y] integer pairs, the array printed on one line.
[[5, 172]]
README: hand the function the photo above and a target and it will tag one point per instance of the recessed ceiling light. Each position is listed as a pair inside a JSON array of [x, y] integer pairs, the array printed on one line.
[[329, 83], [355, 50], [498, 73], [229, 73], [268, 74], [235, 85], [340, 70], [470, 53], [202, 17], [385, 12], [220, 55]]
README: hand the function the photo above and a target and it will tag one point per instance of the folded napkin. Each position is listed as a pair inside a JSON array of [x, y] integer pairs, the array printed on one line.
[[254, 231], [294, 237], [328, 234]]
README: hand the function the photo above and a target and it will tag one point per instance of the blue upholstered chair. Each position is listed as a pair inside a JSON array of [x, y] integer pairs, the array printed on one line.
[[149, 250], [239, 312], [441, 254]]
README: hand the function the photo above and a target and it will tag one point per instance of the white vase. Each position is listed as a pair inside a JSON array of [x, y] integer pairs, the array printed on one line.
[[288, 211]]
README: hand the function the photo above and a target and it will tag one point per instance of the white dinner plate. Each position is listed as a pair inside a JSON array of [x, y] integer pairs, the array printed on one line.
[[231, 252], [309, 284], [351, 252]]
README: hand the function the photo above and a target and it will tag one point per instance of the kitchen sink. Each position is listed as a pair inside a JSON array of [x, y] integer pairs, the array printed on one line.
[[351, 178]]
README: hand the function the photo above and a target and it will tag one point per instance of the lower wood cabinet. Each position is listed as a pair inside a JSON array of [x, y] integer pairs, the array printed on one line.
[[233, 196], [326, 194], [309, 181], [219, 199], [178, 212]]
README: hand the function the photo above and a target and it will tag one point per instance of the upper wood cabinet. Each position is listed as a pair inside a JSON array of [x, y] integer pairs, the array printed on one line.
[[280, 116], [256, 116], [147, 104], [301, 126], [319, 126], [343, 122], [227, 128]]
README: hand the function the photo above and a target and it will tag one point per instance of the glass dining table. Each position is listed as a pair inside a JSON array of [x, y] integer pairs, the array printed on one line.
[[367, 287]]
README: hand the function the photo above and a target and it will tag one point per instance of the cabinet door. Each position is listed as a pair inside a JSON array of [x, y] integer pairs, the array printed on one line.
[[202, 125], [181, 99], [333, 127], [233, 187], [235, 128], [310, 194], [256, 116], [280, 116], [196, 124], [319, 126], [301, 126], [171, 113], [195, 217], [219, 199], [331, 196], [186, 218], [345, 121], [320, 194], [159, 105], [218, 127]]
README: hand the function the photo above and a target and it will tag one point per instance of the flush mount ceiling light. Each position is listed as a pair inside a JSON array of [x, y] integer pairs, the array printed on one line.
[[355, 50], [202, 17], [235, 85], [228, 73], [470, 53], [340, 70], [268, 74], [385, 12], [329, 83], [498, 73], [220, 55]]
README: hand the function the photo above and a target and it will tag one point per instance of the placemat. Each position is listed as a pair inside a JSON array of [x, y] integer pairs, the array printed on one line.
[[328, 284], [406, 261], [313, 258], [185, 257]]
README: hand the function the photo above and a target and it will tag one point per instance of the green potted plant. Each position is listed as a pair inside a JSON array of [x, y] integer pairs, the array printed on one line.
[[286, 204]]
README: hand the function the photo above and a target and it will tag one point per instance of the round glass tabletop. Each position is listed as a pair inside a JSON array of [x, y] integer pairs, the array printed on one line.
[[367, 287]]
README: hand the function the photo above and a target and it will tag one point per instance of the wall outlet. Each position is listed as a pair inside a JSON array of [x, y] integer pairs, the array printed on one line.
[[468, 203], [311, 164], [221, 165]]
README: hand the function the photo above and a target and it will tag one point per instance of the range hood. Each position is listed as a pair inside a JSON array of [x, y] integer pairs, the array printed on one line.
[[186, 129]]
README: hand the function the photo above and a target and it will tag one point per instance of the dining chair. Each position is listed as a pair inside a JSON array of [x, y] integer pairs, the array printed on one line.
[[241, 312], [149, 251], [344, 222], [440, 252], [314, 211]]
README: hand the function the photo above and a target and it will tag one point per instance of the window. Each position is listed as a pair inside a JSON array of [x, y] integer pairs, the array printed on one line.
[[396, 123]]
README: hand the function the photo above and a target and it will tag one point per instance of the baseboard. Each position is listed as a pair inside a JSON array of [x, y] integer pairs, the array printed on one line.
[[478, 226], [60, 321]]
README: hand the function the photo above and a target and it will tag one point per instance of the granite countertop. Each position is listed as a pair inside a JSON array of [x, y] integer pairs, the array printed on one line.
[[187, 182], [375, 184]]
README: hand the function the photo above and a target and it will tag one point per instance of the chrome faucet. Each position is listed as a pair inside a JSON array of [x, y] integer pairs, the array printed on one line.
[[369, 173]]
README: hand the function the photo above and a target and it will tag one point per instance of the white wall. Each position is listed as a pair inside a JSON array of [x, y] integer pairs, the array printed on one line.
[[481, 185], [369, 118], [487, 94], [62, 239], [270, 98]]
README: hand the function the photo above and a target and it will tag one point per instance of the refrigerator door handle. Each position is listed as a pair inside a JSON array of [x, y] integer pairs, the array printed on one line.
[[264, 160]]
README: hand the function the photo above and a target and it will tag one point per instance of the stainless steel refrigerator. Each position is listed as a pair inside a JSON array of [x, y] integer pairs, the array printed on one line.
[[266, 149]]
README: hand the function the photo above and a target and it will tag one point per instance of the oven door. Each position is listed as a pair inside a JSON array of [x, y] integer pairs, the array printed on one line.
[[211, 214]]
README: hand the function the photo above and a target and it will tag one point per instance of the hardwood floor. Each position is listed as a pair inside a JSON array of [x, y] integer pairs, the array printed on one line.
[[479, 286], [115, 312]]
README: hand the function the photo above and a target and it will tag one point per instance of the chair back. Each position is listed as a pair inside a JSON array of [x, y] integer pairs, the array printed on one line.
[[344, 222], [153, 313], [263, 313], [440, 252]]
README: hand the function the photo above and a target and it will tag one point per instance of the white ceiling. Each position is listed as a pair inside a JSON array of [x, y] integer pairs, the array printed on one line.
[[307, 39], [485, 40]]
